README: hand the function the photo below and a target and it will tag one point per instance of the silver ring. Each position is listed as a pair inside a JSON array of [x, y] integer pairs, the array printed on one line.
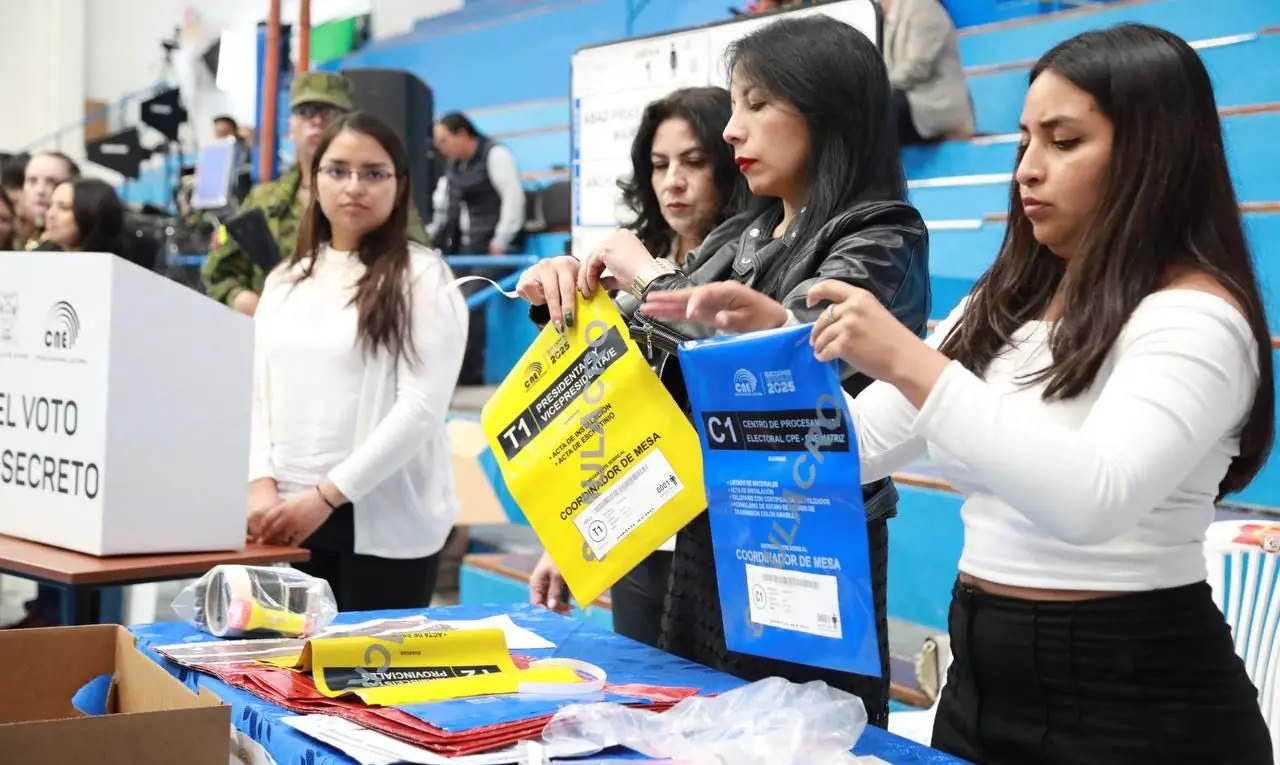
[[831, 314]]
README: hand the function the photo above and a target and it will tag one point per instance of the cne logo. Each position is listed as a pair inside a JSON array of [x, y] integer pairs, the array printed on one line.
[[532, 374], [62, 327], [8, 317], [745, 383]]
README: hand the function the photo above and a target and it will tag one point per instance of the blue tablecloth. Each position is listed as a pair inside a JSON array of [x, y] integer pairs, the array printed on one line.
[[624, 660]]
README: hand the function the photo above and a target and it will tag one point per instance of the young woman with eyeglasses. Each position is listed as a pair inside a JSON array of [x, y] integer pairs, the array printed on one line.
[[359, 338]]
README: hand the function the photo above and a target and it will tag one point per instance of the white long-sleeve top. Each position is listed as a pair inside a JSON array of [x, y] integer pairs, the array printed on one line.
[[1109, 491], [372, 424]]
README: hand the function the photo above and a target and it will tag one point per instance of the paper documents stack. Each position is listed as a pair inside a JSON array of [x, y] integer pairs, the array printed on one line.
[[281, 671]]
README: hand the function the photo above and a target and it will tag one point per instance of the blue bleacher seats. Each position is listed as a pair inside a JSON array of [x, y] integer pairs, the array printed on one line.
[[1252, 151], [1190, 19], [998, 96]]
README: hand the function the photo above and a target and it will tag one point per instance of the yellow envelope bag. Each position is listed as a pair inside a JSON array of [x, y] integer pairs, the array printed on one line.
[[417, 668], [604, 464]]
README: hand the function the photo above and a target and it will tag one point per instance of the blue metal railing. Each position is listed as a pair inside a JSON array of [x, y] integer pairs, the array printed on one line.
[[477, 300], [56, 136]]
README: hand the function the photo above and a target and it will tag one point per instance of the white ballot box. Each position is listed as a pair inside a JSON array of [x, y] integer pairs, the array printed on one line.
[[124, 408]]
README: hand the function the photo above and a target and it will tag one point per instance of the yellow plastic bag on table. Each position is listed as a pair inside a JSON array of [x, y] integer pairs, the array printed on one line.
[[417, 668], [594, 450]]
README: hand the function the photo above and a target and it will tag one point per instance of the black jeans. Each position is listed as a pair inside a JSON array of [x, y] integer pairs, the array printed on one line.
[[907, 133], [477, 327], [366, 582], [1148, 677], [638, 599]]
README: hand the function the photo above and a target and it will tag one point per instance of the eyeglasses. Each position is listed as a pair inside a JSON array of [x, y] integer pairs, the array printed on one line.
[[338, 174], [309, 111]]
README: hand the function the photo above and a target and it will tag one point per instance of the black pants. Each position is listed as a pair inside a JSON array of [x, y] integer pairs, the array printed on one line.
[[477, 328], [907, 133], [638, 599], [693, 623], [366, 582], [1149, 677]]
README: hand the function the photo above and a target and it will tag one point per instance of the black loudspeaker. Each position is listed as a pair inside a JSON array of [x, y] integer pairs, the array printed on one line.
[[408, 105], [211, 58], [165, 113], [121, 152]]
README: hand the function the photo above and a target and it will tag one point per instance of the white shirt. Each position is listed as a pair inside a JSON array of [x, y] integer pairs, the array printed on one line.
[[1109, 491], [504, 174], [372, 424]]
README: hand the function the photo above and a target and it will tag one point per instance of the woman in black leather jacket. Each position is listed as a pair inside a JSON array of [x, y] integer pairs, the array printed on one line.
[[812, 131]]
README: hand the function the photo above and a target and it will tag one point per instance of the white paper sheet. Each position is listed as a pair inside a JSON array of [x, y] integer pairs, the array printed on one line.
[[207, 653], [518, 638], [369, 747]]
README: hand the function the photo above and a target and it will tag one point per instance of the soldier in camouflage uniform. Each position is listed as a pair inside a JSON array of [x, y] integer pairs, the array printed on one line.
[[315, 99]]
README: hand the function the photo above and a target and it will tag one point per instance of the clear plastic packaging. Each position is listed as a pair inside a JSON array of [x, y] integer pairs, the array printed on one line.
[[769, 722], [252, 601]]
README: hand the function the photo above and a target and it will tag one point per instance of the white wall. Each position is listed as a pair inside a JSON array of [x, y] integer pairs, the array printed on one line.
[[55, 54], [395, 17], [42, 57], [123, 51]]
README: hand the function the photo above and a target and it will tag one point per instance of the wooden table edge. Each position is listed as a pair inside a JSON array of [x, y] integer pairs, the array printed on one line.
[[125, 569]]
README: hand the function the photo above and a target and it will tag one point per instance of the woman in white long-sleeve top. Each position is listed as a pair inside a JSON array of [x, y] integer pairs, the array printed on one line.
[[1107, 381], [359, 338]]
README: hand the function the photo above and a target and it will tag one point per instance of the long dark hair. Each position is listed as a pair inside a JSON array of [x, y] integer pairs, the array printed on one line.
[[1168, 203], [837, 80], [7, 242], [99, 216], [382, 296], [707, 110]]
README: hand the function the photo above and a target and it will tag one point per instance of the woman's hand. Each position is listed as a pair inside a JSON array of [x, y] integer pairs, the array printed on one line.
[[729, 306], [293, 521], [552, 282], [622, 254], [858, 329], [546, 586], [263, 498]]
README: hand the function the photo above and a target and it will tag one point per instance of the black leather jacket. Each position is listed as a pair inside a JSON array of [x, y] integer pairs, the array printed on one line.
[[882, 247]]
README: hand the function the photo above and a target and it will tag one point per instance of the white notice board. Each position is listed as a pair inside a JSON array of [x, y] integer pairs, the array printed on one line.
[[613, 82]]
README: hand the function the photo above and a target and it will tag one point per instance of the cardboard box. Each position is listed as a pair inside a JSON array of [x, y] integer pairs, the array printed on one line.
[[478, 501], [124, 408], [153, 719]]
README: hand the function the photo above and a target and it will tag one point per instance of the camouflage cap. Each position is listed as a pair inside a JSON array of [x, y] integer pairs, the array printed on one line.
[[321, 88]]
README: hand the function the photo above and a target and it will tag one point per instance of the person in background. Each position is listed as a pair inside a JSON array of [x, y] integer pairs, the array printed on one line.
[[1106, 382], [45, 171], [86, 216], [479, 206], [683, 184], [922, 49], [13, 176], [315, 100], [358, 341], [225, 127], [812, 131], [683, 181], [8, 221]]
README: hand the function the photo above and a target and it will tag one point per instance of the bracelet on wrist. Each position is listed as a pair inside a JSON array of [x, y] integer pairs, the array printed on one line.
[[327, 501]]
